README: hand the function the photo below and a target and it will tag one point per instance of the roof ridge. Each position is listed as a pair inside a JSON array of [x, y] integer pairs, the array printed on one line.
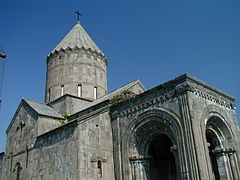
[[26, 99], [127, 84], [42, 108]]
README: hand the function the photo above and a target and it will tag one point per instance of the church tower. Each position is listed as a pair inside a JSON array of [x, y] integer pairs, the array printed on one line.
[[76, 67]]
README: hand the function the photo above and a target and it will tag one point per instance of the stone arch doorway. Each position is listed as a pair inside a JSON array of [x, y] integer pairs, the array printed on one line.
[[221, 149], [162, 161], [154, 154], [213, 144]]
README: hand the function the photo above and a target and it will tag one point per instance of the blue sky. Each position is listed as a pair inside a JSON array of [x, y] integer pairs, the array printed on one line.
[[154, 41]]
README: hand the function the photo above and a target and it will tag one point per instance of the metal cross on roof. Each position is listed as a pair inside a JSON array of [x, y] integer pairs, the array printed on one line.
[[78, 14]]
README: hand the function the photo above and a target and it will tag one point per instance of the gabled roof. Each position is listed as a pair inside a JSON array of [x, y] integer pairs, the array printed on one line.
[[43, 109], [114, 93], [77, 37], [119, 90], [39, 108]]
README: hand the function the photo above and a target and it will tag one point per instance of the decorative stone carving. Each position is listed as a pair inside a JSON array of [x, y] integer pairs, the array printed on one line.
[[98, 158]]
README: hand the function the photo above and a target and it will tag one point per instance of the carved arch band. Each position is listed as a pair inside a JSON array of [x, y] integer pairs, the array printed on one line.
[[154, 140]]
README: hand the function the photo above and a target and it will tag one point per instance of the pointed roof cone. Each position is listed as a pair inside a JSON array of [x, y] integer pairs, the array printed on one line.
[[77, 37]]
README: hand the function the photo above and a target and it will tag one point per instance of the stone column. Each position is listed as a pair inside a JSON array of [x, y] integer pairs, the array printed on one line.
[[227, 166], [139, 167], [188, 135], [224, 166], [233, 163]]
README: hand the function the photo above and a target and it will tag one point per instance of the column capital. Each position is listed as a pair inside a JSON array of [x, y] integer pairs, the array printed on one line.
[[224, 151], [139, 159]]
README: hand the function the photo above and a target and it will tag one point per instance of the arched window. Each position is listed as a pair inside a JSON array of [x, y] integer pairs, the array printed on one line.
[[99, 166], [95, 93], [79, 90], [49, 94], [221, 149], [17, 169], [213, 145], [62, 90]]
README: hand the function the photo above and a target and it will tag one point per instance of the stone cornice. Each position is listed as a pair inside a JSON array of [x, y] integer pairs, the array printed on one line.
[[207, 94], [82, 50], [215, 98], [206, 86], [169, 91], [144, 105]]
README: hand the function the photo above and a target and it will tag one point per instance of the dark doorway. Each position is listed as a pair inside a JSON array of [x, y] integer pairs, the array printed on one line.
[[162, 162], [213, 143]]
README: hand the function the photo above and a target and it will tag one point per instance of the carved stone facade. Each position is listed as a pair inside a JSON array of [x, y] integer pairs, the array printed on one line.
[[199, 122], [183, 129]]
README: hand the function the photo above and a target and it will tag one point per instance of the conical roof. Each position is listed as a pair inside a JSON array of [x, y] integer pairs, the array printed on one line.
[[77, 37]]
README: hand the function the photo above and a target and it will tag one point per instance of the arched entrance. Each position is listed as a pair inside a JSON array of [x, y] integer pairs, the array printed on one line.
[[154, 151], [221, 149], [213, 144], [162, 162]]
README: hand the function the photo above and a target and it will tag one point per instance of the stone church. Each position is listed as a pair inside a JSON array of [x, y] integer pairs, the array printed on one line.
[[183, 129]]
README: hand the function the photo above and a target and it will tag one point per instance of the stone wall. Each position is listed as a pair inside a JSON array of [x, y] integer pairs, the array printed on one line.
[[21, 135], [55, 155], [52, 156], [68, 104], [95, 146], [46, 124]]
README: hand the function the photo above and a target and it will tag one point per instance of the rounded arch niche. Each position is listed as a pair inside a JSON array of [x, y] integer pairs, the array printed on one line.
[[152, 143], [219, 145]]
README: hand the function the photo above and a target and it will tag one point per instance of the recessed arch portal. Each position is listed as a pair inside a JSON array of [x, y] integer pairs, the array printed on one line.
[[220, 147], [213, 144], [154, 129]]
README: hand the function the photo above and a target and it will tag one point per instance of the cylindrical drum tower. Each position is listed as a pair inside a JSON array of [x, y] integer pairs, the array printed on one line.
[[76, 67]]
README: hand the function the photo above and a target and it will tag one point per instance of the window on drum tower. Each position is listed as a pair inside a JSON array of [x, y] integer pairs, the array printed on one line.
[[62, 90], [79, 90], [95, 93]]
